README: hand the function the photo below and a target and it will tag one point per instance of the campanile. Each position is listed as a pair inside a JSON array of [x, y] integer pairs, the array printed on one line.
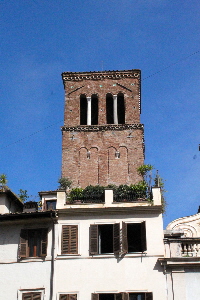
[[102, 137]]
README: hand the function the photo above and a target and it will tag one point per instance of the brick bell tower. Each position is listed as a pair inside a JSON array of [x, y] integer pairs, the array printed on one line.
[[102, 138]]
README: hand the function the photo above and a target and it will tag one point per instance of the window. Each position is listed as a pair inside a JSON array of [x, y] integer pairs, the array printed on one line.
[[68, 297], [120, 108], [94, 110], [123, 296], [133, 237], [32, 296], [104, 239], [69, 239], [83, 110], [33, 243], [89, 110], [115, 109], [140, 296], [118, 296], [109, 109], [51, 204]]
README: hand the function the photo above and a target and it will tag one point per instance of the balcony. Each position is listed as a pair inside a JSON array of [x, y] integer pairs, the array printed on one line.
[[182, 247], [60, 199]]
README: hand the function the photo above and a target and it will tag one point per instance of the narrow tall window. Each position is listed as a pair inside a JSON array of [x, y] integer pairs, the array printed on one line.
[[109, 109], [120, 108], [69, 239], [94, 110], [83, 110], [133, 237]]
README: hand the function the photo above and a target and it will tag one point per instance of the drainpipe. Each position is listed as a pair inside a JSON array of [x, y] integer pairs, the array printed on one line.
[[52, 259]]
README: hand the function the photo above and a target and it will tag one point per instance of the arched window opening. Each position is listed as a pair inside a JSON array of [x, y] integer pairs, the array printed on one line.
[[94, 110], [83, 110], [120, 108], [109, 109]]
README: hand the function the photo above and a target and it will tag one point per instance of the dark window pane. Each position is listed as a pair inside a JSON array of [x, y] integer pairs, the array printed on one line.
[[83, 110], [109, 109]]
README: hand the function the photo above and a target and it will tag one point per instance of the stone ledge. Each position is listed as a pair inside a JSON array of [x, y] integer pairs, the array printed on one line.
[[78, 76], [102, 127]]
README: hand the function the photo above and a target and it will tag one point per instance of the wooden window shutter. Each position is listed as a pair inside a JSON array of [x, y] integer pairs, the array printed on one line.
[[149, 296], [118, 296], [43, 249], [27, 296], [63, 297], [74, 240], [23, 247], [125, 296], [69, 239], [95, 296], [124, 238], [116, 238], [31, 296], [72, 297], [36, 296], [143, 237], [93, 240], [68, 297]]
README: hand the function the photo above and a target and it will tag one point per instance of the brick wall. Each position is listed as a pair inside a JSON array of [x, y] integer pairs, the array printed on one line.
[[102, 154]]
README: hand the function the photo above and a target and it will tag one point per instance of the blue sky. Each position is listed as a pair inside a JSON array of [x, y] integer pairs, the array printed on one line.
[[42, 39]]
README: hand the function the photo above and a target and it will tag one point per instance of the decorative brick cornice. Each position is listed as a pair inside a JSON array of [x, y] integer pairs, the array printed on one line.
[[102, 127], [78, 76]]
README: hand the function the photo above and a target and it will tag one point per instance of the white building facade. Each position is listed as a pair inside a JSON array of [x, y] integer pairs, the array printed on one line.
[[104, 251]]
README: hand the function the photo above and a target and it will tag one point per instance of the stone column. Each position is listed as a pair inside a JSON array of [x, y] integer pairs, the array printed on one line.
[[89, 116], [115, 109]]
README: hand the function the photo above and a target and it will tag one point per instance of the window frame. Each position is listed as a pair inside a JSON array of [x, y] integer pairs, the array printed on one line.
[[124, 295], [24, 243], [68, 296], [125, 237], [94, 239], [72, 239], [22, 292]]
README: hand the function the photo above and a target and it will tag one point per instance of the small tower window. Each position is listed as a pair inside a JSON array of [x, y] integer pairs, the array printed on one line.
[[83, 110], [94, 110], [115, 109], [120, 108], [109, 109]]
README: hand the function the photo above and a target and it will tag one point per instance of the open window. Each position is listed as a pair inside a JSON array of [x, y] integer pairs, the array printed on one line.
[[133, 237], [50, 204], [106, 296], [123, 296], [83, 110], [109, 109], [120, 108], [94, 110], [140, 296], [68, 297], [69, 239], [33, 242], [104, 239]]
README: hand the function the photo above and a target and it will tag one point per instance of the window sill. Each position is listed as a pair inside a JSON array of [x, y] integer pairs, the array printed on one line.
[[35, 259], [64, 256]]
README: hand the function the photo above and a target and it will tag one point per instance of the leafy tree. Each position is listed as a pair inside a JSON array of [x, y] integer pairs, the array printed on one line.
[[64, 183], [3, 180], [23, 196]]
